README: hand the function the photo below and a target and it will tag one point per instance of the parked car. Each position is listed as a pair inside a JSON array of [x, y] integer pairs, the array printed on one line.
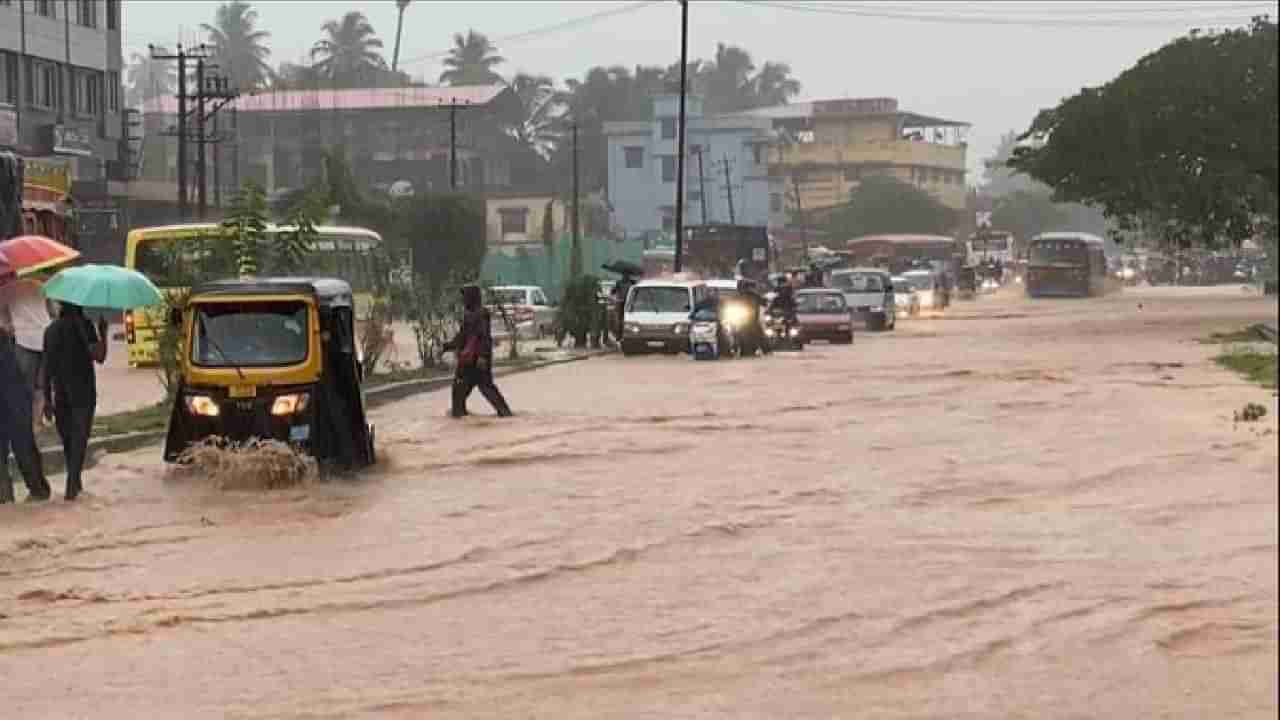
[[534, 315], [905, 296], [656, 317], [869, 294], [824, 315]]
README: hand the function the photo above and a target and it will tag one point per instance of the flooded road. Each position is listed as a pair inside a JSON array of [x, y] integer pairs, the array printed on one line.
[[1020, 510]]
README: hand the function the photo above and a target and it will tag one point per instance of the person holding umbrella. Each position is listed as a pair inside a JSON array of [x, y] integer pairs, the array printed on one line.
[[16, 426], [72, 345], [34, 257]]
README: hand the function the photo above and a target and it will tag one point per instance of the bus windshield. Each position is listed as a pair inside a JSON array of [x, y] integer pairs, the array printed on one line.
[[1055, 252]]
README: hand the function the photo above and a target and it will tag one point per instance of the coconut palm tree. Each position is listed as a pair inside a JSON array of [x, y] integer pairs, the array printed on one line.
[[472, 61], [349, 54], [727, 80], [238, 46], [774, 85], [395, 55], [149, 78], [535, 126]]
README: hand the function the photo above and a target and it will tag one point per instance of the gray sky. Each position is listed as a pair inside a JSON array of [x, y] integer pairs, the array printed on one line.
[[993, 64]]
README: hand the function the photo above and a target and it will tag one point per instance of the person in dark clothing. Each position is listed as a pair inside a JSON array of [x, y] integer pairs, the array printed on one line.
[[784, 302], [16, 427], [473, 347], [754, 336], [71, 346]]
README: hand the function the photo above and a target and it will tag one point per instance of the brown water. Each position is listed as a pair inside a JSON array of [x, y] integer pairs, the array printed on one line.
[[1019, 510]]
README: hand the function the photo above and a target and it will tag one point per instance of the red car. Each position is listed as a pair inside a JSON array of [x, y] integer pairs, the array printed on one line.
[[824, 315]]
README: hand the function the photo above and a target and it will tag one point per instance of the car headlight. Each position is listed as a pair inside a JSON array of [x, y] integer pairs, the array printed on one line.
[[680, 328], [795, 332], [290, 404], [202, 405], [769, 332], [736, 315], [632, 328]]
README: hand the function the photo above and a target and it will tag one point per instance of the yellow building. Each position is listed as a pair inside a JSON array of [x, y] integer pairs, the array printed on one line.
[[830, 145]]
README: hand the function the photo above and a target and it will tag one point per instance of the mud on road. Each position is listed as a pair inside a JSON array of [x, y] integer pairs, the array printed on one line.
[[1043, 510]]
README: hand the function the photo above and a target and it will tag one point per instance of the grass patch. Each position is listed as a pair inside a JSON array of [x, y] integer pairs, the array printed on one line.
[[1255, 366], [1243, 335]]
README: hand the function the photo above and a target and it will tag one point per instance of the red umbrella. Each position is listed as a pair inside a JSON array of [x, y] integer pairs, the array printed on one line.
[[32, 253], [8, 280]]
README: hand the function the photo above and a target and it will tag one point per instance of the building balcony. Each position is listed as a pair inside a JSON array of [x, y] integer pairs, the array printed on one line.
[[887, 152]]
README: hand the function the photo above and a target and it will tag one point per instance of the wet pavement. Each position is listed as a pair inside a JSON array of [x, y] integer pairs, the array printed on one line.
[[1018, 509]]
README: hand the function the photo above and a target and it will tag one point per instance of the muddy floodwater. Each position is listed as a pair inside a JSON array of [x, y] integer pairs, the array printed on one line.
[[1021, 509]]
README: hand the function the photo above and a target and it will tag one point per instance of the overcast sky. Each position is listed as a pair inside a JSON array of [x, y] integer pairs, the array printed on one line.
[[993, 64]]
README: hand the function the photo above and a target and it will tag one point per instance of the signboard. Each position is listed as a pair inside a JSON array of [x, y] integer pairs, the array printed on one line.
[[68, 140], [8, 126], [51, 175], [856, 106]]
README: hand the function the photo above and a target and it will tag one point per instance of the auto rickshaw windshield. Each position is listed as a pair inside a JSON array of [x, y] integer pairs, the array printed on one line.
[[249, 334]]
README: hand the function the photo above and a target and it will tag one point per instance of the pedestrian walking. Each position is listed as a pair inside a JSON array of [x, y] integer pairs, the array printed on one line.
[[473, 347], [31, 317], [16, 425], [69, 386]]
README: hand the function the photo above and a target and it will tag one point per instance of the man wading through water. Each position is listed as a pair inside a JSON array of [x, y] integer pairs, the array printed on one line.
[[70, 390], [16, 426], [473, 347]]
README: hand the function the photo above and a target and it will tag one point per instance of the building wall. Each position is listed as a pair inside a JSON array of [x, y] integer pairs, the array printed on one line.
[[828, 171], [93, 50], [534, 208], [644, 202]]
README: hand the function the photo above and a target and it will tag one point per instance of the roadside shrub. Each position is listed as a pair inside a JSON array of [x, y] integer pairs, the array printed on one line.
[[169, 345]]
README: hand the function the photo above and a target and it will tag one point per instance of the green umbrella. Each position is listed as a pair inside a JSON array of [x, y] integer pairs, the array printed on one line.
[[103, 286]]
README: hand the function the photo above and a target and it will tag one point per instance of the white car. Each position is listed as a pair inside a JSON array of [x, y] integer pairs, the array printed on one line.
[[925, 284], [535, 316], [656, 318]]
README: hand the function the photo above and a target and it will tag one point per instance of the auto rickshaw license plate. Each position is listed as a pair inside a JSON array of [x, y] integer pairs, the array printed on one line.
[[242, 391]]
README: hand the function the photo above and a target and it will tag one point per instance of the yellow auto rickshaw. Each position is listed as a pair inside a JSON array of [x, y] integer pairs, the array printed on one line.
[[271, 358]]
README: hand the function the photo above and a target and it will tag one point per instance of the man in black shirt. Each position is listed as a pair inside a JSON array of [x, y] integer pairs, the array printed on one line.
[[16, 426], [71, 346]]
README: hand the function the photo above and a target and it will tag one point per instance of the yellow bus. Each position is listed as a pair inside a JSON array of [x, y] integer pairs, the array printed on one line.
[[176, 257]]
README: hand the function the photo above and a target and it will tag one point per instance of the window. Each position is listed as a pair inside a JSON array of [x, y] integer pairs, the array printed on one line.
[[634, 156], [668, 128], [668, 168], [775, 202], [87, 13], [515, 221], [8, 77], [113, 14], [86, 95], [46, 8], [42, 83], [113, 92]]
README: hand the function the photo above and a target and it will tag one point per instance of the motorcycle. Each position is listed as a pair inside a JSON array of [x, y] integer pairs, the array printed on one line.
[[783, 332]]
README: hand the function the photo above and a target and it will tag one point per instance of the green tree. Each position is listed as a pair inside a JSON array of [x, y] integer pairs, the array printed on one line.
[[1188, 135], [1027, 213], [447, 232], [534, 122], [349, 54], [471, 61], [238, 46], [246, 225], [294, 243], [887, 205]]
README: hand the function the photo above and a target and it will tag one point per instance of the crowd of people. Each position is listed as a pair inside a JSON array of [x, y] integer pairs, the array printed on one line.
[[47, 354]]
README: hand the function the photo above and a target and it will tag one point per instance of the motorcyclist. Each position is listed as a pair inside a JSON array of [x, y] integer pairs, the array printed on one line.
[[784, 300], [753, 332]]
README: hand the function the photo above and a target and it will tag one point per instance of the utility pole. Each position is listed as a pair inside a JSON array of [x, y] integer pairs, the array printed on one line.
[[728, 185], [575, 262], [182, 56], [453, 145], [684, 80], [217, 166], [202, 180], [804, 237], [702, 185]]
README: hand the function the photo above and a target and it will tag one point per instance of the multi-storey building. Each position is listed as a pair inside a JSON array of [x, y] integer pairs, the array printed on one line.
[[726, 170], [832, 144], [60, 106]]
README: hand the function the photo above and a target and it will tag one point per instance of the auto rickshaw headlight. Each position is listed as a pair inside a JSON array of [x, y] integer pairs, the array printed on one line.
[[290, 404], [202, 405]]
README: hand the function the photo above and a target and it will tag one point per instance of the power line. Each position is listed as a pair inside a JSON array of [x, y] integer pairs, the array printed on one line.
[[545, 30], [970, 19], [1063, 9]]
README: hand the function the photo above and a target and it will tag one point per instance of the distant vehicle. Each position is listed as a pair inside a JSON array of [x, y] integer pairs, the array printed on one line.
[[721, 250], [869, 294], [824, 315], [905, 296], [991, 245], [534, 315], [926, 285], [1067, 264], [656, 317]]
